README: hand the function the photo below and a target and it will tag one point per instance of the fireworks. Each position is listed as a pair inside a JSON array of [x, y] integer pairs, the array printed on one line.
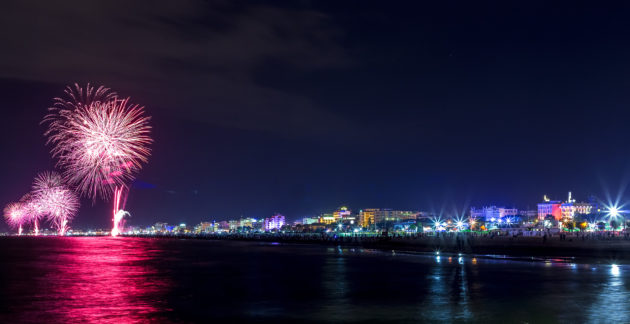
[[54, 200], [15, 216], [98, 139], [33, 210]]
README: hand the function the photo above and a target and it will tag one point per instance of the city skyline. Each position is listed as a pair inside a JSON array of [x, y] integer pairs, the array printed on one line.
[[365, 216]]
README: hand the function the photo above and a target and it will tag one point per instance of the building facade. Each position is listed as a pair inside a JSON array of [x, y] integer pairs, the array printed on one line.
[[310, 220], [371, 216], [564, 210], [492, 213], [274, 222], [342, 214], [367, 216], [327, 218]]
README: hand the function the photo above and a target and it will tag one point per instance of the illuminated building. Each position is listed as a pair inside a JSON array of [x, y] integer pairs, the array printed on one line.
[[571, 208], [379, 215], [310, 220], [549, 208], [563, 210], [528, 215], [247, 222], [367, 216], [492, 212], [181, 229], [233, 224], [204, 227], [327, 219], [341, 214], [274, 222], [223, 225], [160, 227]]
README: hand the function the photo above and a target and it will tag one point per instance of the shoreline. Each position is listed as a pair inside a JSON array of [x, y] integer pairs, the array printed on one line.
[[607, 248]]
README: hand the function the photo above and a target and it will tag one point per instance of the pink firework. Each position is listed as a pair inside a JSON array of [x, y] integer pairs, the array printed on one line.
[[15, 216], [55, 200], [78, 97], [33, 210], [99, 140]]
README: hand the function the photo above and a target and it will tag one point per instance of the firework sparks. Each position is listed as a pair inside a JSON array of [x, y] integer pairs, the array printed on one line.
[[100, 141], [55, 200], [118, 221], [33, 211], [15, 216]]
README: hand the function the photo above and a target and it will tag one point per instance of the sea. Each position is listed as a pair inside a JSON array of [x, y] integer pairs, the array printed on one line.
[[140, 280]]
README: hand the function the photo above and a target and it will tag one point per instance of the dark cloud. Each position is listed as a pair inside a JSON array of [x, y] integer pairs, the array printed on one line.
[[190, 56]]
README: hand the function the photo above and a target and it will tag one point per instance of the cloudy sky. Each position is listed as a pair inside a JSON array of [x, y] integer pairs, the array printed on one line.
[[299, 107]]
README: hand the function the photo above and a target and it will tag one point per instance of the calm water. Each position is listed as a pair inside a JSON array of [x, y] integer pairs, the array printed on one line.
[[138, 280]]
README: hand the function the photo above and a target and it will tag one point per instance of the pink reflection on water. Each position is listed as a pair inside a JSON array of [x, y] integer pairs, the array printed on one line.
[[106, 280]]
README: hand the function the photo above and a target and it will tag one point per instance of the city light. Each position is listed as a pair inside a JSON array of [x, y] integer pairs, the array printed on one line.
[[613, 212]]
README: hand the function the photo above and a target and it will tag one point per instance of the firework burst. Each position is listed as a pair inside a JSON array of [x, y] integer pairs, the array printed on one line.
[[33, 210], [99, 141], [54, 199], [15, 216]]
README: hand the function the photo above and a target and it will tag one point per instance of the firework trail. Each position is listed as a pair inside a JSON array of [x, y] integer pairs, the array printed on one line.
[[100, 141], [15, 216], [55, 200], [118, 221]]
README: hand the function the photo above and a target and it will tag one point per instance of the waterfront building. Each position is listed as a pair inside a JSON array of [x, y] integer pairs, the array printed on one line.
[[528, 213], [381, 215], [549, 208], [571, 208], [342, 214], [327, 218], [564, 210], [274, 222], [160, 227], [204, 227], [367, 216], [182, 229], [310, 220], [223, 225], [492, 213], [248, 222], [233, 224]]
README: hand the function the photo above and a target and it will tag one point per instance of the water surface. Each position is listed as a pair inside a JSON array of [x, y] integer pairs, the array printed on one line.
[[118, 280]]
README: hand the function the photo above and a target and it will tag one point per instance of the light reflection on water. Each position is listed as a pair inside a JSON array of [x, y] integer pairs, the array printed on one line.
[[77, 280], [612, 299], [105, 280]]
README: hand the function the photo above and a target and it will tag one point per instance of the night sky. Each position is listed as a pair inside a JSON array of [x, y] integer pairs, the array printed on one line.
[[301, 107]]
